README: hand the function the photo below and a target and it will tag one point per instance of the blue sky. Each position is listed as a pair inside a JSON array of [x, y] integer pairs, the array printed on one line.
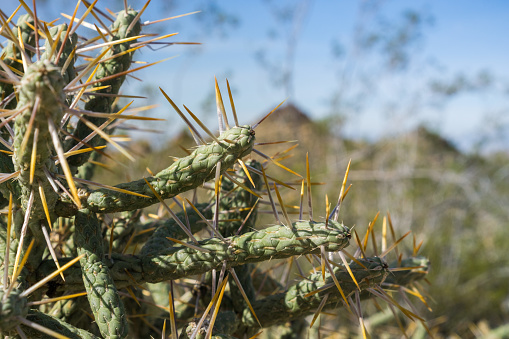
[[457, 37]]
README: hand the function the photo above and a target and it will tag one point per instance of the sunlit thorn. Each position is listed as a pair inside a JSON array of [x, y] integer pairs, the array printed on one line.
[[8, 243], [238, 183], [30, 125], [394, 245], [92, 64], [365, 334], [17, 270], [384, 234], [24, 229], [24, 57], [308, 182], [52, 300], [379, 292], [110, 246], [327, 210], [347, 266], [104, 27], [173, 318], [244, 295], [108, 138], [276, 162], [279, 182], [33, 158], [204, 250], [283, 209], [173, 215], [54, 43], [78, 24], [375, 246], [38, 52], [63, 161], [274, 210], [131, 293], [70, 59], [232, 104], [334, 278], [51, 250], [244, 168], [67, 32], [351, 257], [342, 192], [319, 309], [359, 243], [221, 112], [147, 23], [44, 204], [417, 247], [368, 231], [247, 217], [209, 225], [40, 328], [49, 277], [137, 17], [183, 117], [207, 310], [265, 117], [202, 125], [108, 44], [153, 40], [393, 234], [322, 262], [113, 76]]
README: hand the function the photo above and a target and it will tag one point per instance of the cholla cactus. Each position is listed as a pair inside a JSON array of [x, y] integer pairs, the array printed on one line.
[[65, 272]]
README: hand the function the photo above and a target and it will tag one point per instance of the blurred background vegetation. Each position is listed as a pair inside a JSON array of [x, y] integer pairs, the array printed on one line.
[[449, 185]]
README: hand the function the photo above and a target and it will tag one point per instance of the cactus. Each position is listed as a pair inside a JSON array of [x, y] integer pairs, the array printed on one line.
[[195, 273]]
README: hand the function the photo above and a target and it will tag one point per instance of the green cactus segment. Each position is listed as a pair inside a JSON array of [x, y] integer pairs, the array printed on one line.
[[41, 85], [102, 294], [275, 242], [183, 175], [56, 325], [170, 229], [70, 44], [11, 53], [294, 303], [11, 306], [110, 67]]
